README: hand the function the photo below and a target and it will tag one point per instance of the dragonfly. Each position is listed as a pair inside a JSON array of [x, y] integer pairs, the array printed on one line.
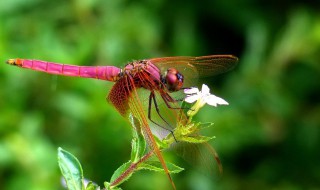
[[161, 77]]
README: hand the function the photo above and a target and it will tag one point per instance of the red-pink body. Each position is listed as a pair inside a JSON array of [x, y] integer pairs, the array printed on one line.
[[109, 73]]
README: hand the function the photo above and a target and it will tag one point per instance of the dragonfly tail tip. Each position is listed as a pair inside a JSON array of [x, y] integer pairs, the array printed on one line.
[[10, 61], [14, 62]]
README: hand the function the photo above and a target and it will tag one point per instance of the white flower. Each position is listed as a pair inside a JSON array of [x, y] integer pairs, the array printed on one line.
[[202, 97]]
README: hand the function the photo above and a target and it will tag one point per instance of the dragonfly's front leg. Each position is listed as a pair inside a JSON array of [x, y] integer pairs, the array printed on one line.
[[152, 97], [167, 98]]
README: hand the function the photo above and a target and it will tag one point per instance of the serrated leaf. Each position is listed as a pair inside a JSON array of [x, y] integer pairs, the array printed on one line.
[[196, 139], [71, 170], [157, 167], [92, 186], [162, 144], [117, 174], [134, 149]]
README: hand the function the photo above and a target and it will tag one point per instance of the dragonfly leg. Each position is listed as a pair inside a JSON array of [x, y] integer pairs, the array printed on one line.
[[152, 97], [166, 98]]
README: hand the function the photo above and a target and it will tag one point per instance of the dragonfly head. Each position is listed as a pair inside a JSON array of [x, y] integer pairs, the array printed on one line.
[[173, 80]]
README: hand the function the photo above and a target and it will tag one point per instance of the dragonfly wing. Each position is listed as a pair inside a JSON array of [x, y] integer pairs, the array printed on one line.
[[214, 64], [129, 102], [195, 67], [203, 156], [118, 96]]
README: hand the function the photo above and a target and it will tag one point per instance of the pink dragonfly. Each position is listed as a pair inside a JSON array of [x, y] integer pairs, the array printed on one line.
[[160, 76]]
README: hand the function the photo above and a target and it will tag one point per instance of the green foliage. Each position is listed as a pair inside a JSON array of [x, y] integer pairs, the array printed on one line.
[[157, 167], [107, 186], [71, 170], [123, 168], [92, 186], [138, 143]]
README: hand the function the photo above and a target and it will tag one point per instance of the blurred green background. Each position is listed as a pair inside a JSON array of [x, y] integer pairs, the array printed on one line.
[[268, 138]]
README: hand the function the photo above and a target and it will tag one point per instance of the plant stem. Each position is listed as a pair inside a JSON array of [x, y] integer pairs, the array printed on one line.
[[131, 169]]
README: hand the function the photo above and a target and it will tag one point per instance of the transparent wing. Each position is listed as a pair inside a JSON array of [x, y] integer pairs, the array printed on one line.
[[202, 156], [194, 67], [124, 97]]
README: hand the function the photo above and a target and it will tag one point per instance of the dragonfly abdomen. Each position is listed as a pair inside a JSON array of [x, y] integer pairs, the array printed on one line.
[[109, 73]]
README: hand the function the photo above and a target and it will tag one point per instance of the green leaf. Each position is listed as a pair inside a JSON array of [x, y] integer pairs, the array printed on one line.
[[92, 186], [196, 139], [134, 149], [163, 144], [120, 171], [138, 142], [71, 170], [108, 187], [157, 167]]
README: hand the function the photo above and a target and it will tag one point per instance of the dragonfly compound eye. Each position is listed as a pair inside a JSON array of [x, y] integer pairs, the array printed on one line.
[[173, 80]]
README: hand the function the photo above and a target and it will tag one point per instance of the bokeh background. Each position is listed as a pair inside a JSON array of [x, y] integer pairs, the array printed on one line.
[[268, 138]]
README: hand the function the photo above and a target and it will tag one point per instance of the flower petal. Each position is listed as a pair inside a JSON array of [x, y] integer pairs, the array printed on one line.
[[193, 90], [215, 100], [192, 98], [205, 90]]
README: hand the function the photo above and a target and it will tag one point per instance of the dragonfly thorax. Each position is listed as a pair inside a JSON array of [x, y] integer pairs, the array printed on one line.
[[147, 75], [172, 79], [144, 74]]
